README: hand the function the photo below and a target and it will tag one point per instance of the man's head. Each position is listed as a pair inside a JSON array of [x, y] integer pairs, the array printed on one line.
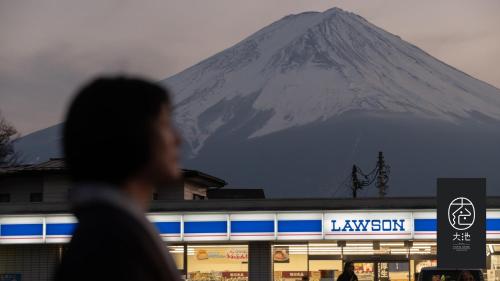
[[117, 129], [349, 267]]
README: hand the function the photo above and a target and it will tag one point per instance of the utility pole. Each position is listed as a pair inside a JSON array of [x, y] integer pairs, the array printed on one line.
[[382, 175], [355, 183]]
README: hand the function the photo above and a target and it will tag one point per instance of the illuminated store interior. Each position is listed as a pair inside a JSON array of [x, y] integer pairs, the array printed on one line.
[[394, 261], [383, 244]]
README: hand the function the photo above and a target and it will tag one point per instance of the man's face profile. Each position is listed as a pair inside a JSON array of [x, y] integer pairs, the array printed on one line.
[[165, 150]]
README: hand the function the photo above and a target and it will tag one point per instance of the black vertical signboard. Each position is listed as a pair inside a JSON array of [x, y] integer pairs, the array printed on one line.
[[461, 229]]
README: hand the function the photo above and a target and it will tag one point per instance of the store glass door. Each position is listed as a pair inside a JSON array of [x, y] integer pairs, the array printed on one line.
[[393, 271]]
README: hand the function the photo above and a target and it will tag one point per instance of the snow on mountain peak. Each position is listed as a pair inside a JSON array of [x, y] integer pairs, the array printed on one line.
[[313, 66]]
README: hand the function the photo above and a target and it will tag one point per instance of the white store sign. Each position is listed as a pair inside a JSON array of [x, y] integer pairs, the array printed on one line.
[[330, 225], [366, 226]]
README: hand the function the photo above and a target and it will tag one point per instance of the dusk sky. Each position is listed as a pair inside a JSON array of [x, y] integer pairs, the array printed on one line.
[[49, 48]]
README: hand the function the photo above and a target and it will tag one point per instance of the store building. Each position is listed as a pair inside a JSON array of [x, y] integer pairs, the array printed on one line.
[[48, 182], [264, 239], [258, 239]]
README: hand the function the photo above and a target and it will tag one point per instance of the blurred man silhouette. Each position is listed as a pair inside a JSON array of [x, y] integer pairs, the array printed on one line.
[[348, 272], [119, 144]]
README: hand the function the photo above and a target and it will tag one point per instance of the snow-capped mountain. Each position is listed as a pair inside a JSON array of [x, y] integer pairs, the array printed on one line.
[[292, 107], [314, 66]]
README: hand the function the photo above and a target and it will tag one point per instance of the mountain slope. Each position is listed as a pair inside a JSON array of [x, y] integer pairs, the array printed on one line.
[[314, 66], [294, 105]]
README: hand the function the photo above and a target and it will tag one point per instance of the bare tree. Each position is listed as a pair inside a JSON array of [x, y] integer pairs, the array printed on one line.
[[7, 136]]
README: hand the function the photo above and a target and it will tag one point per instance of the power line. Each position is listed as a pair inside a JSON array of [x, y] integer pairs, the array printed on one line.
[[343, 183], [380, 174]]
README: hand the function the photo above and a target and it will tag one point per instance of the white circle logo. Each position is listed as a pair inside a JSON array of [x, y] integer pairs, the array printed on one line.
[[461, 213]]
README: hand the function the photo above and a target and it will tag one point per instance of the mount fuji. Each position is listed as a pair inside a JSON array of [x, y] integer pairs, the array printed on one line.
[[294, 105]]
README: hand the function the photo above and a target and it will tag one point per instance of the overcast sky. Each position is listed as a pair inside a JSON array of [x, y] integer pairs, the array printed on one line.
[[48, 48]]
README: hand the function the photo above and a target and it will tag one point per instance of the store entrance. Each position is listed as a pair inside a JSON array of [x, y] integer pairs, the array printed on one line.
[[382, 270]]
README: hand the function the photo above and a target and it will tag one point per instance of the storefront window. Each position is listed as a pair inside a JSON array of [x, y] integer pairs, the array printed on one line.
[[393, 271], [325, 261], [365, 271], [493, 271], [419, 264], [308, 261], [423, 254], [373, 260], [177, 253], [217, 262], [290, 262]]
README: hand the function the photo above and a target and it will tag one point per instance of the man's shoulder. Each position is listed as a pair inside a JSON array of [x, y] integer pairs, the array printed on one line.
[[106, 232], [102, 219]]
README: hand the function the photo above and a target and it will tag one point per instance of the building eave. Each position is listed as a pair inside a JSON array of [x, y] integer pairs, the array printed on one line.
[[240, 205]]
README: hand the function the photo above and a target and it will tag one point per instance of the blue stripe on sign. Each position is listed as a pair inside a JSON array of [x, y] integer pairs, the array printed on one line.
[[170, 227], [60, 228], [299, 226], [252, 226], [21, 229], [431, 224], [205, 227], [493, 224], [425, 224]]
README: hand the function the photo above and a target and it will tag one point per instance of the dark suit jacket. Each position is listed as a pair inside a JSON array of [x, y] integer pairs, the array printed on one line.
[[111, 244], [347, 277]]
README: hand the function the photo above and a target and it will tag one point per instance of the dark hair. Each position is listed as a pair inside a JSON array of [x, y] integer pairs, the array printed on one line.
[[108, 131], [347, 264]]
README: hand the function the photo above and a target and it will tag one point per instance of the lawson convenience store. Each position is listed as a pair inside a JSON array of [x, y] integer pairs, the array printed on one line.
[[285, 240]]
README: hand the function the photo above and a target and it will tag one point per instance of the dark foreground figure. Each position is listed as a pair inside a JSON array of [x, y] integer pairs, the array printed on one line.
[[119, 146], [348, 273]]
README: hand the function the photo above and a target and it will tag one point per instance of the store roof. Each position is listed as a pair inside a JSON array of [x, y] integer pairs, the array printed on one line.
[[286, 204], [54, 164], [57, 165], [236, 193], [202, 178], [304, 204]]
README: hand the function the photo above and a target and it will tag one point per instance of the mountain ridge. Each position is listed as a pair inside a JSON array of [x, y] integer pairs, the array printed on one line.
[[371, 68], [291, 107]]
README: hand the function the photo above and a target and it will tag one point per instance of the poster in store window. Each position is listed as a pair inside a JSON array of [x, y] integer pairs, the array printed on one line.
[[383, 271], [237, 254], [228, 254], [281, 254]]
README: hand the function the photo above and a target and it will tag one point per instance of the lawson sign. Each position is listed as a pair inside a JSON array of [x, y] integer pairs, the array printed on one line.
[[253, 225], [373, 225]]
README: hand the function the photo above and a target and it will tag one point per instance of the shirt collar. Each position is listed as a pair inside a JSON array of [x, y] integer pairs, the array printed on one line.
[[90, 192]]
